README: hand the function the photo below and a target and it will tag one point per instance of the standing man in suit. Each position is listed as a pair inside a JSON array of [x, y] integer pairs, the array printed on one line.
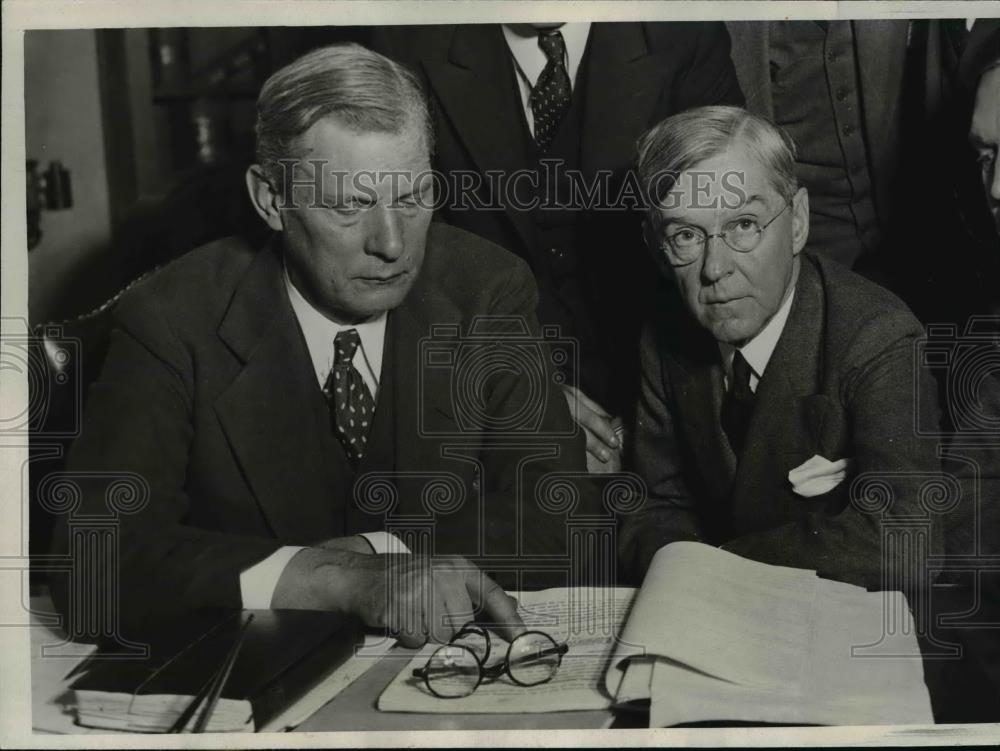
[[554, 100], [773, 377], [278, 401], [867, 103]]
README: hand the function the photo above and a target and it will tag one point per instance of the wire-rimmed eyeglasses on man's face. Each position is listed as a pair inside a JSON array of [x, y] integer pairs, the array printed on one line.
[[684, 244], [457, 668]]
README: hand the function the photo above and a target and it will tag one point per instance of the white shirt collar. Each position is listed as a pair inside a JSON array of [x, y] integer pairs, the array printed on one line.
[[758, 350], [319, 332], [531, 58]]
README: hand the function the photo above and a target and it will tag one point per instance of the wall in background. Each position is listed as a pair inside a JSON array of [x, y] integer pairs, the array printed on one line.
[[63, 121]]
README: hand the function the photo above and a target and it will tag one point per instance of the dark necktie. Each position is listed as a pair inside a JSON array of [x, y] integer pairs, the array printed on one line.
[[737, 406], [351, 404], [551, 94]]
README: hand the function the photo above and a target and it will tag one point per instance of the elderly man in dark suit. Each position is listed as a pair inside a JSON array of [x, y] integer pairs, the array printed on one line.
[[856, 96], [553, 111], [774, 377], [280, 401]]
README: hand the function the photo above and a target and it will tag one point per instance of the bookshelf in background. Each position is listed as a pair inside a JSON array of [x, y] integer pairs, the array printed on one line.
[[177, 100], [180, 102]]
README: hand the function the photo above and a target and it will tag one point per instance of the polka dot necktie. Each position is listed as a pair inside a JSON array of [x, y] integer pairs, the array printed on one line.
[[351, 404], [551, 95]]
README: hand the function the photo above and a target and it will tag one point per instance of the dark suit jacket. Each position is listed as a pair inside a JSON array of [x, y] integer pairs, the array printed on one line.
[[634, 75], [906, 72], [839, 384], [208, 393], [881, 54]]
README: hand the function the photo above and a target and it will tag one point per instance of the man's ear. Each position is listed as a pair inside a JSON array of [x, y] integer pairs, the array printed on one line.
[[800, 220], [263, 196]]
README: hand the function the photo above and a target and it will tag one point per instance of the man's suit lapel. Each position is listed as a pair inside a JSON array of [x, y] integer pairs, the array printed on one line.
[[699, 383], [274, 414], [421, 403], [621, 85], [476, 88], [788, 417]]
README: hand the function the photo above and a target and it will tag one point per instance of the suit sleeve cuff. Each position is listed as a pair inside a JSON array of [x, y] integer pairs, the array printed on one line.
[[258, 582], [383, 542]]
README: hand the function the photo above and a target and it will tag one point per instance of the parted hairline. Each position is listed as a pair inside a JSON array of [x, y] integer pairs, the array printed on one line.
[[362, 90], [682, 141]]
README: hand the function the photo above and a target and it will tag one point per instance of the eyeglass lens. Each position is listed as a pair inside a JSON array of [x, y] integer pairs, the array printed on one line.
[[452, 672], [533, 658], [456, 669], [474, 639]]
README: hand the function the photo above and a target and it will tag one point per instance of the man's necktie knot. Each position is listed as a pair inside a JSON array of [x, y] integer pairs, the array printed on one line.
[[553, 46], [345, 345], [742, 371]]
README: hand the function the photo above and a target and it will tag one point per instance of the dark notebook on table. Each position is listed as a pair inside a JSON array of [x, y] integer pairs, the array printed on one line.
[[283, 655]]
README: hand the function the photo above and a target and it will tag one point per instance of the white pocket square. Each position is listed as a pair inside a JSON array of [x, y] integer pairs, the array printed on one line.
[[818, 475]]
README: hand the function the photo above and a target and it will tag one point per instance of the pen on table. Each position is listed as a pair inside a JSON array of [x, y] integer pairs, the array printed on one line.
[[211, 692], [81, 666]]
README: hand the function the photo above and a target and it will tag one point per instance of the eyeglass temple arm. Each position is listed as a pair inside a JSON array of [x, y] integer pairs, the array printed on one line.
[[494, 671]]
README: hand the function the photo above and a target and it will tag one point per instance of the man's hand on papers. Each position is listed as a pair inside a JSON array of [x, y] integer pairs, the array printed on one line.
[[417, 599], [604, 444], [431, 600]]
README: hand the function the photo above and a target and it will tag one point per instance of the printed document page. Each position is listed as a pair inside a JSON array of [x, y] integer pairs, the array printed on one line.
[[720, 614], [587, 619], [880, 684]]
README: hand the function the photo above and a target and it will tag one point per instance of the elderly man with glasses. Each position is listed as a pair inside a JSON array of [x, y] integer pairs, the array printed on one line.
[[777, 399]]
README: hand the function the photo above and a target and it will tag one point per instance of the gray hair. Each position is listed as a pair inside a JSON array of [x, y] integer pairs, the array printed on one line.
[[365, 91], [686, 139]]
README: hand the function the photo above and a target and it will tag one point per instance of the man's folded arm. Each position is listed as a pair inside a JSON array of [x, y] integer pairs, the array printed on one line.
[[138, 424], [139, 421], [259, 582]]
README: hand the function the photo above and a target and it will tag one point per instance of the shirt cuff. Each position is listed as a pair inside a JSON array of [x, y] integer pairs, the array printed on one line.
[[383, 542], [258, 582]]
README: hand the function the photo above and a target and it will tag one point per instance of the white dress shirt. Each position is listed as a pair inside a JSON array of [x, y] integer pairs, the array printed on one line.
[[529, 57], [319, 332], [258, 582], [758, 350]]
